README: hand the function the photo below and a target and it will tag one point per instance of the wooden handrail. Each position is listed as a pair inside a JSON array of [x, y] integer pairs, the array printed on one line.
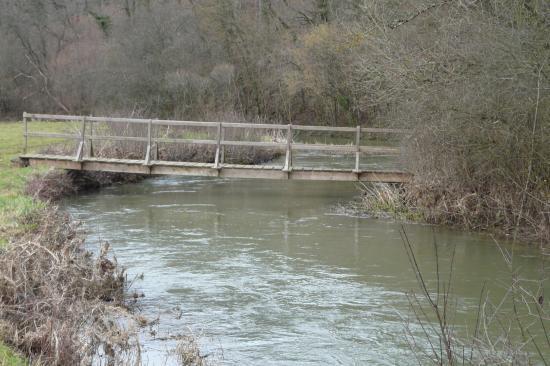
[[159, 122], [219, 141]]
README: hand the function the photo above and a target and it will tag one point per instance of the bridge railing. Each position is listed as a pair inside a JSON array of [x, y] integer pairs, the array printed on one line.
[[85, 134]]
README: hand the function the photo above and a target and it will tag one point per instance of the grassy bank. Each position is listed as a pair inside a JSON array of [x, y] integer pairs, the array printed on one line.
[[14, 203]]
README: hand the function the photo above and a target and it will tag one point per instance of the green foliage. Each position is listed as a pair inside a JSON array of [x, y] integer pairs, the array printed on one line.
[[104, 22]]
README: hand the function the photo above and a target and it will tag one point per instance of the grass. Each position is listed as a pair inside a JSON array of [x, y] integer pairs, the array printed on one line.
[[13, 202], [9, 358]]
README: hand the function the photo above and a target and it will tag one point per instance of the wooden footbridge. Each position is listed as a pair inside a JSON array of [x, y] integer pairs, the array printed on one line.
[[87, 134]]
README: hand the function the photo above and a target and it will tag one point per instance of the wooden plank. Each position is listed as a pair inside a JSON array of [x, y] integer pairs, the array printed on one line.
[[68, 163], [252, 173], [52, 117], [182, 164], [80, 149], [357, 148], [205, 169], [380, 150], [385, 130], [57, 117], [269, 126], [25, 133], [323, 128], [147, 159], [46, 157], [165, 122], [253, 167], [185, 141], [341, 176], [114, 160], [115, 167], [116, 138], [52, 135], [218, 146], [322, 147], [183, 170], [253, 143]]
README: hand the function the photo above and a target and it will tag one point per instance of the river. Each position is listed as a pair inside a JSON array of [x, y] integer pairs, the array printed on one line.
[[266, 272]]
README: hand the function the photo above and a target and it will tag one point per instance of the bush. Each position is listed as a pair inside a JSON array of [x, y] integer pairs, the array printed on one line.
[[59, 304]]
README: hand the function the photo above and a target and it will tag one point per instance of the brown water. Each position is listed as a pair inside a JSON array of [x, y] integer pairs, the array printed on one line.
[[266, 273]]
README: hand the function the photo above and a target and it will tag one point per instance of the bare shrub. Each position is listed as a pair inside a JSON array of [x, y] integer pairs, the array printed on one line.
[[58, 303], [470, 81], [510, 330], [51, 186], [54, 185]]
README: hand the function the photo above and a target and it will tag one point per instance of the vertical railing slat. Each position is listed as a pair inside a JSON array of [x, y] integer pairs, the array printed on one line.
[[91, 140], [222, 152], [148, 151], [25, 148], [80, 150], [218, 143], [288, 158], [358, 149]]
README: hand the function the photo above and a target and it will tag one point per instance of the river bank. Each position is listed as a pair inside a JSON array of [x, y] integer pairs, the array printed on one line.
[[412, 202], [168, 207], [49, 283]]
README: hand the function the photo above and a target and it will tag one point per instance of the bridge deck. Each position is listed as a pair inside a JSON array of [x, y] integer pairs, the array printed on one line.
[[157, 167]]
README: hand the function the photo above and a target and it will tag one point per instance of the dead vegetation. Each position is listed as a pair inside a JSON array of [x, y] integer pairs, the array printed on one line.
[[60, 304], [509, 330], [54, 185], [188, 353]]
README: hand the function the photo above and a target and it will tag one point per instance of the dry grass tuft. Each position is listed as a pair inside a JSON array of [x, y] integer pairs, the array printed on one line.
[[188, 353]]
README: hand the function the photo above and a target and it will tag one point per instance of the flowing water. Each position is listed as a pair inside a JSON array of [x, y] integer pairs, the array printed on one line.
[[266, 272]]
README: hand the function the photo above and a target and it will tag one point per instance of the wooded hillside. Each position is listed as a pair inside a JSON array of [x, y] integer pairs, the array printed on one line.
[[470, 77]]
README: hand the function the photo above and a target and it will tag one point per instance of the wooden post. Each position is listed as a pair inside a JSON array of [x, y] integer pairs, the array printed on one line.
[[26, 132], [148, 152], [222, 151], [217, 157], [288, 159], [156, 146], [358, 149], [80, 150], [91, 140]]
